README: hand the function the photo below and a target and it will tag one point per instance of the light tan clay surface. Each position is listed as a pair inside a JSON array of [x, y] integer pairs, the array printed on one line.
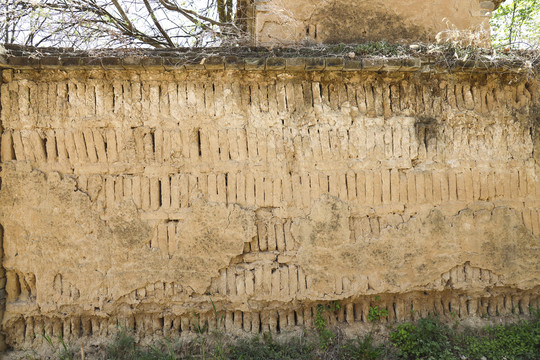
[[135, 196]]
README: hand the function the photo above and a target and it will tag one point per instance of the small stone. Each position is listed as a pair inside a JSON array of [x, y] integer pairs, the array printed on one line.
[[414, 47], [351, 55]]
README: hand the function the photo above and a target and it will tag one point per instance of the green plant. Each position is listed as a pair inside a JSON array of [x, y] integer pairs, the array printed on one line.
[[361, 348], [219, 351], [200, 330], [269, 349], [326, 336], [427, 339], [516, 24], [376, 313], [64, 353], [122, 347], [511, 341]]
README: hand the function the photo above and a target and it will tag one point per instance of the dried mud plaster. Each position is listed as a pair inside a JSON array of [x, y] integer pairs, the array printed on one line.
[[341, 21], [412, 252], [136, 196]]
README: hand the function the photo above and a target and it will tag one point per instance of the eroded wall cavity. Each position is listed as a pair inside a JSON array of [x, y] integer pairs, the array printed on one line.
[[136, 196]]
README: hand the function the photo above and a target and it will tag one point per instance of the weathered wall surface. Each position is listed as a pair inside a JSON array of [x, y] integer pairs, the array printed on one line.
[[136, 196], [342, 21]]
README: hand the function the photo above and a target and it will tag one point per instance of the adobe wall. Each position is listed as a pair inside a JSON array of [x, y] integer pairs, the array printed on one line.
[[135, 195], [341, 21]]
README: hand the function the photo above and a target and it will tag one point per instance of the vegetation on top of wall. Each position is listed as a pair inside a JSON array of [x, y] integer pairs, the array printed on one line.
[[447, 55]]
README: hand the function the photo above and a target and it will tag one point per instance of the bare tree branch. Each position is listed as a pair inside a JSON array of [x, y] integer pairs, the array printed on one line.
[[158, 25], [123, 14], [91, 23]]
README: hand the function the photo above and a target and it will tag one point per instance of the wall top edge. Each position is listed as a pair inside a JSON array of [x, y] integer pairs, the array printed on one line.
[[257, 59]]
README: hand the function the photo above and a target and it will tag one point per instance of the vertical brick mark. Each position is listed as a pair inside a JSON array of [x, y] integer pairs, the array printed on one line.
[[95, 96], [153, 141], [285, 97], [226, 193], [307, 92], [213, 106], [204, 95], [199, 142]]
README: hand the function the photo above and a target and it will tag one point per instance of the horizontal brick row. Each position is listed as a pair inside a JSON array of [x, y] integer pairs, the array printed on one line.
[[298, 190], [406, 307], [400, 141], [44, 104]]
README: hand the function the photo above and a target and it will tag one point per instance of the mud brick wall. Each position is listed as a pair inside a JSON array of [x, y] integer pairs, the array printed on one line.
[[136, 195]]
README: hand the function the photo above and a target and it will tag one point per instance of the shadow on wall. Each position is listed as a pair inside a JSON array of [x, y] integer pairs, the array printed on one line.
[[368, 26]]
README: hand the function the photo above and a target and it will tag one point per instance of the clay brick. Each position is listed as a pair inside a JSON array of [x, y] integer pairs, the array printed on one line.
[[428, 185], [184, 190], [469, 189], [145, 193], [290, 243], [136, 191], [240, 284], [231, 282], [351, 186], [250, 190], [452, 186], [305, 190], [483, 186], [109, 192], [250, 282], [510, 187], [369, 176], [535, 220], [28, 148], [531, 188], [403, 187], [461, 187], [162, 238], [165, 183], [411, 187], [491, 185], [7, 150], [377, 187], [155, 191], [175, 192], [514, 184], [284, 281], [262, 235], [436, 181], [387, 141], [118, 189], [527, 220], [99, 146], [276, 284], [476, 184], [522, 183], [297, 193], [499, 184], [271, 235], [386, 187]]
